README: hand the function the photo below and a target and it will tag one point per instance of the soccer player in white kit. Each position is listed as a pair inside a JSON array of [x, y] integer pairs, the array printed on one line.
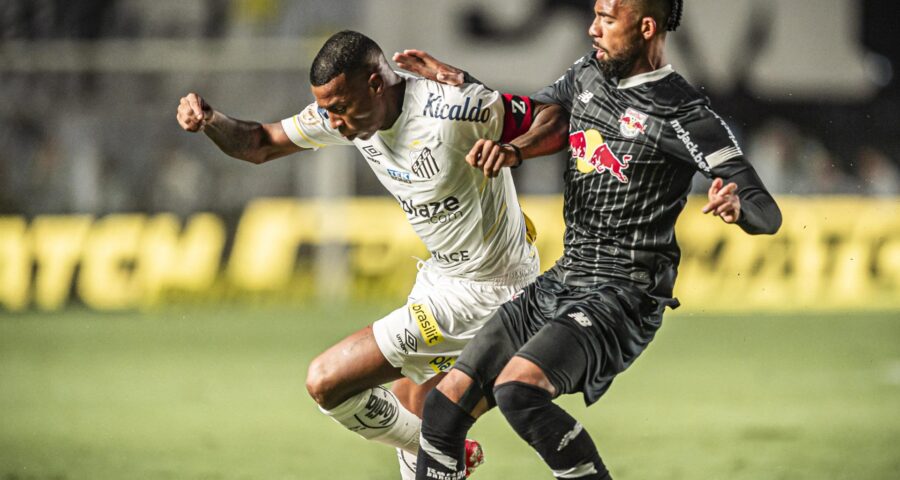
[[415, 134]]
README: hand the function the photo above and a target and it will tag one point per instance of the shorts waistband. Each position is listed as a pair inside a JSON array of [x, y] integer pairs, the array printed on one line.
[[530, 269]]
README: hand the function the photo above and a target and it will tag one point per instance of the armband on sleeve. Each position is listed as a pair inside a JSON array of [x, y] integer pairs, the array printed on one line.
[[518, 112]]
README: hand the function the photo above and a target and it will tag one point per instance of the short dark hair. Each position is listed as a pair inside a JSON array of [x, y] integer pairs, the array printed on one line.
[[346, 52], [666, 12]]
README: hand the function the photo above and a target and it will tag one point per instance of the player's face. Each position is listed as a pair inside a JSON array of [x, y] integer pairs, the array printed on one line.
[[616, 34], [354, 106]]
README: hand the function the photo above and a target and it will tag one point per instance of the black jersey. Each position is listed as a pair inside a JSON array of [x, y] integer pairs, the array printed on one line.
[[635, 146]]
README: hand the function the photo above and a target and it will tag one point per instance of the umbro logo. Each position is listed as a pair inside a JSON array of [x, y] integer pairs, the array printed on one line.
[[581, 318], [371, 153], [585, 96], [411, 341]]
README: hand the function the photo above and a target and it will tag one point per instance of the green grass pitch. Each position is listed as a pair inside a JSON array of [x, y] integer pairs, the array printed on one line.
[[219, 394]]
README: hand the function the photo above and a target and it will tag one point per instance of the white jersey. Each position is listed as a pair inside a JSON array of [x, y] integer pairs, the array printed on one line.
[[472, 225]]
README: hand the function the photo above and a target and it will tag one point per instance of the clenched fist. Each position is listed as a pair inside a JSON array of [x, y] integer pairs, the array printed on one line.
[[193, 112]]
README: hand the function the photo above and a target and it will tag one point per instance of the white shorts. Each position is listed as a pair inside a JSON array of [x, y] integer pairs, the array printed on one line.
[[424, 337]]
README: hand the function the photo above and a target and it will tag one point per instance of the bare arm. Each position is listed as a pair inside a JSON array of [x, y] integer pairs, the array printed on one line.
[[549, 133], [253, 142], [426, 66]]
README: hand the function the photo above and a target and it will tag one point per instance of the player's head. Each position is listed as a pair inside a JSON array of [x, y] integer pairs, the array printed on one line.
[[349, 76], [625, 30]]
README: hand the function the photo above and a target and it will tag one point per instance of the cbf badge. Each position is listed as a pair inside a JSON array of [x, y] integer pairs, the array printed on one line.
[[632, 123]]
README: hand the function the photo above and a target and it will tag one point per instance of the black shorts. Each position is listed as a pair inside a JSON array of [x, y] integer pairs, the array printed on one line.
[[581, 337]]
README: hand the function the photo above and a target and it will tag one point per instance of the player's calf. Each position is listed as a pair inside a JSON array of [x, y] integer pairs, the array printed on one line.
[[557, 437], [375, 414], [442, 445]]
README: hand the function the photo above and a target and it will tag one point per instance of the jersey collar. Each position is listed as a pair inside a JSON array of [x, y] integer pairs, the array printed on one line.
[[643, 78]]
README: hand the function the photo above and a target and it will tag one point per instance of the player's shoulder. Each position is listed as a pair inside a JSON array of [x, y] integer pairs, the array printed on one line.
[[676, 93], [584, 61], [582, 65], [451, 105], [425, 88]]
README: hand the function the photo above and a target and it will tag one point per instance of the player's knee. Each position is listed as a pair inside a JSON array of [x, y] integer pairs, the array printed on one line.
[[321, 383], [522, 370], [444, 419], [522, 404]]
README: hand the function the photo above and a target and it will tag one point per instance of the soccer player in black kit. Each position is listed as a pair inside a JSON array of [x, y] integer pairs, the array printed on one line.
[[638, 133]]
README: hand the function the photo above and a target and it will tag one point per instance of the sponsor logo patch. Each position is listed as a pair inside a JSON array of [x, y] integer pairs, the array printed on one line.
[[466, 112], [583, 143], [452, 257], [632, 123], [428, 326], [400, 176], [444, 211], [380, 412], [692, 148], [441, 364], [436, 475], [585, 96], [309, 116]]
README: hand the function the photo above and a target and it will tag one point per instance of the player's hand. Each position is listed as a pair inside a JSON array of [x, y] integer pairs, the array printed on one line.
[[723, 201], [490, 157], [193, 112], [423, 64]]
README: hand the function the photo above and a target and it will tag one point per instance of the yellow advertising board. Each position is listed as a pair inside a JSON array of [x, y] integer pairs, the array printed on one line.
[[832, 253]]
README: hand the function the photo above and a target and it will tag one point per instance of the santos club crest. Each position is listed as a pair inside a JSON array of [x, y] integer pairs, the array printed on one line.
[[424, 165]]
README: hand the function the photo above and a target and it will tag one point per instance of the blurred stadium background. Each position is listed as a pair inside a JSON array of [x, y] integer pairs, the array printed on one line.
[[159, 302]]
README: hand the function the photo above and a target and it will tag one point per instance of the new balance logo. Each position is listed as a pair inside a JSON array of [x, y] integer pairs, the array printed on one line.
[[581, 318], [585, 96]]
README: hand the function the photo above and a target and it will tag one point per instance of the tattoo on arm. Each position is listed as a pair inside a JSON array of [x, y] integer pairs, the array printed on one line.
[[238, 138]]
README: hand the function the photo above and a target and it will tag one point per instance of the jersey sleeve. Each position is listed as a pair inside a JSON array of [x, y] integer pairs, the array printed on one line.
[[466, 114], [310, 129], [759, 212], [518, 113], [703, 139], [700, 137], [503, 116], [562, 91]]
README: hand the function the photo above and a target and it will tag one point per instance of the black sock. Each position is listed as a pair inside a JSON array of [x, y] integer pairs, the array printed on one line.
[[557, 437], [442, 448]]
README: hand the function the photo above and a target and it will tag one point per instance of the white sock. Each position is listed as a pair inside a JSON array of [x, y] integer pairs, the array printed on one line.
[[407, 465], [376, 414]]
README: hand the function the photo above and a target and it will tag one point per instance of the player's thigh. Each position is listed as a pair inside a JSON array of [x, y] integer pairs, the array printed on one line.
[[348, 367], [488, 353], [554, 359], [443, 314], [594, 336], [522, 370], [462, 390]]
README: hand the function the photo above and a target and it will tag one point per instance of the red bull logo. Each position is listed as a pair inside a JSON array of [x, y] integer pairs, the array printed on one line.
[[632, 123], [602, 158]]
